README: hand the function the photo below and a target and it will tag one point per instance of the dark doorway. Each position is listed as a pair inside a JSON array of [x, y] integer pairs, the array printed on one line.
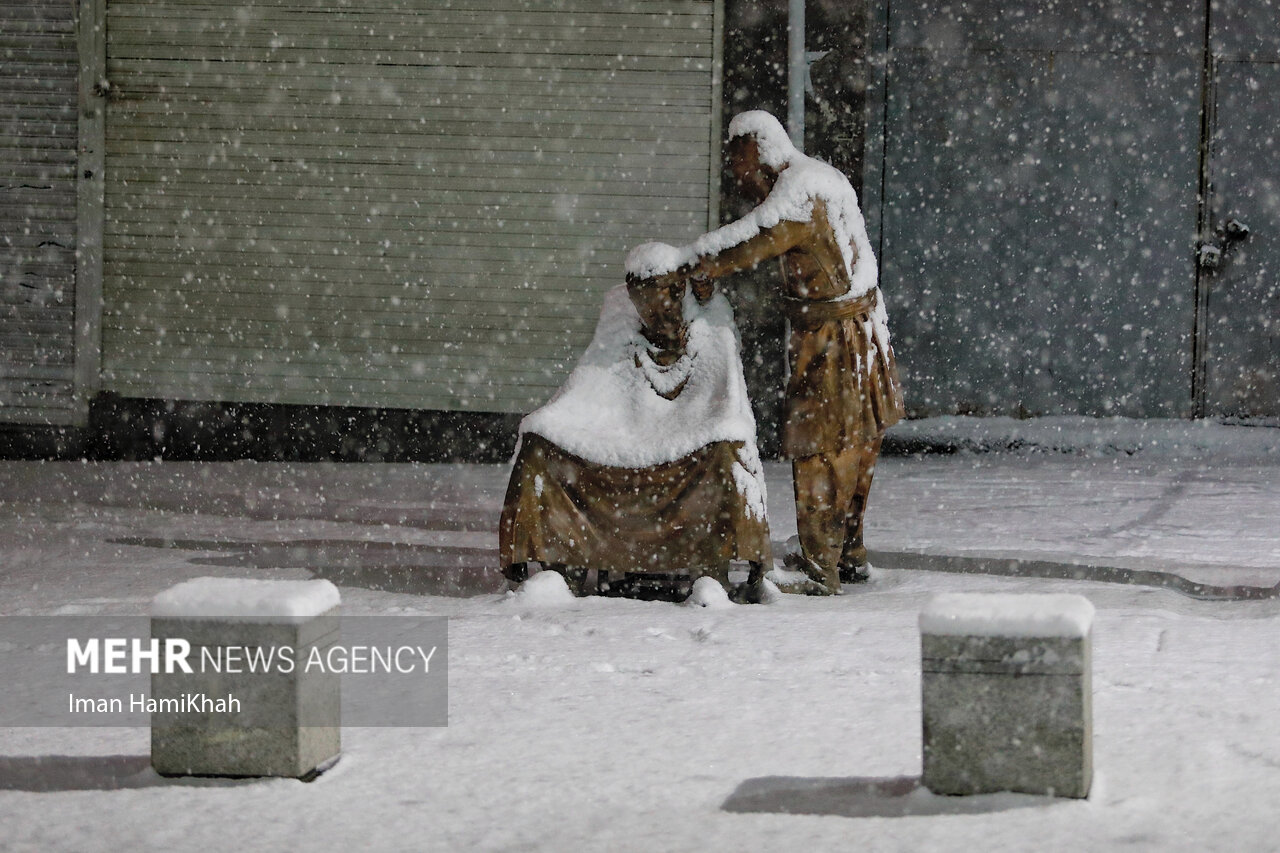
[[1061, 193]]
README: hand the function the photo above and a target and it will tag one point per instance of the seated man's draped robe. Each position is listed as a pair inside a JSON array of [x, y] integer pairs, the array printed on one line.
[[633, 466]]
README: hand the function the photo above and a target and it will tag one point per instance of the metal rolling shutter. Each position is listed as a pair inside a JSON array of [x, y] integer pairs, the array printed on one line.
[[38, 133], [392, 203]]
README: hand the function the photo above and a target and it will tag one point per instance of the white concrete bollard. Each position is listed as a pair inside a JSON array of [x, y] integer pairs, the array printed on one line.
[[1006, 694], [244, 711]]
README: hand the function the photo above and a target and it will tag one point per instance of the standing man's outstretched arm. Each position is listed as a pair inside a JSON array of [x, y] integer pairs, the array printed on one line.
[[767, 243]]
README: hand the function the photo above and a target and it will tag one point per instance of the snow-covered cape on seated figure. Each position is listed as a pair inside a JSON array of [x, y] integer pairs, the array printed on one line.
[[644, 462]]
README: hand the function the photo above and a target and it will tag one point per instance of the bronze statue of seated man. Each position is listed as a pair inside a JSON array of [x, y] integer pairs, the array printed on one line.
[[643, 465]]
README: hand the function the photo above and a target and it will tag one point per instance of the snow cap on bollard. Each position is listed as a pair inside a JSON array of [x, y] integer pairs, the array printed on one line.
[[246, 600], [1007, 615]]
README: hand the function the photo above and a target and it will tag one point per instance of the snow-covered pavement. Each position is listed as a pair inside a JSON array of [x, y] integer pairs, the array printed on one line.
[[620, 725], [1117, 499]]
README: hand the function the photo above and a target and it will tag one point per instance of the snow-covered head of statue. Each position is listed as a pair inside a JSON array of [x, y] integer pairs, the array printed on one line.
[[775, 147], [658, 299], [759, 151]]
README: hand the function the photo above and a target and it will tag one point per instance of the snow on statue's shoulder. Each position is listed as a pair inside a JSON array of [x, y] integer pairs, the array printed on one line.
[[800, 186], [1007, 615], [609, 412], [246, 600]]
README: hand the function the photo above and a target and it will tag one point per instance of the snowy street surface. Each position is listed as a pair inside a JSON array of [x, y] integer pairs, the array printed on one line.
[[603, 724]]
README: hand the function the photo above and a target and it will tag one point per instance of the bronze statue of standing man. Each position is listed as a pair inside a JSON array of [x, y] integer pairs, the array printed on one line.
[[843, 390]]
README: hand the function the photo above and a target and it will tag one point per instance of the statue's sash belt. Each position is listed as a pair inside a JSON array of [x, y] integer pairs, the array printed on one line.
[[812, 313]]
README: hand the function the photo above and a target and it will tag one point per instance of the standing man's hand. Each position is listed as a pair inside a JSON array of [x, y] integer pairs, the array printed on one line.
[[700, 283], [702, 286]]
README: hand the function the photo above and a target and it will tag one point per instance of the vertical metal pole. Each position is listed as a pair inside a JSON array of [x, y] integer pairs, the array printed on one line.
[[795, 72], [91, 35], [717, 106], [1203, 277], [884, 127]]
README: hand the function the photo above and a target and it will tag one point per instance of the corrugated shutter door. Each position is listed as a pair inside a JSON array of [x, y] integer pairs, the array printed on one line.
[[394, 203], [38, 132]]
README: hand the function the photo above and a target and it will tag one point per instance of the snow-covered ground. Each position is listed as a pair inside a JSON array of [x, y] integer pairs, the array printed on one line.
[[620, 725]]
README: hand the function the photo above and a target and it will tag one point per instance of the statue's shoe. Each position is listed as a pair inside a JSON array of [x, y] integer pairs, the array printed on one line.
[[859, 573], [759, 591], [828, 579], [795, 582]]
